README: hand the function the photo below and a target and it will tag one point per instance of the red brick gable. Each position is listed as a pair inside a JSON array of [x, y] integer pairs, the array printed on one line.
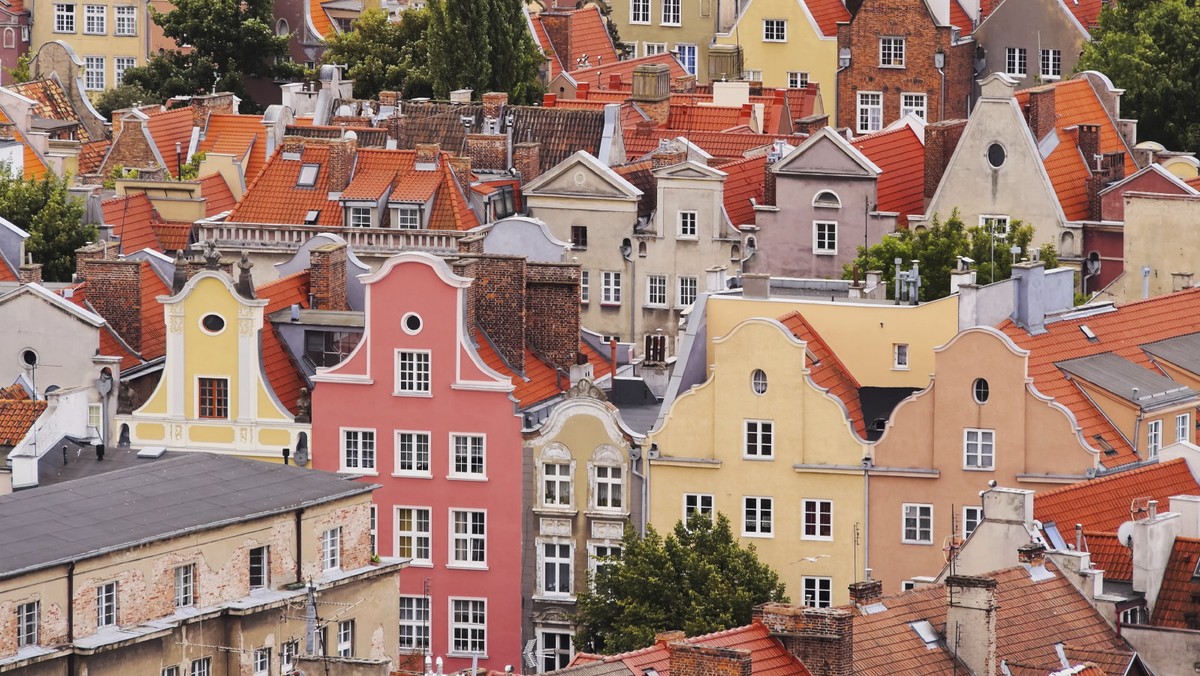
[[768, 656]]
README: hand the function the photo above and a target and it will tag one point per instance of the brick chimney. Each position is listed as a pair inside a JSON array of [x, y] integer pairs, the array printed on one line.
[[114, 288], [461, 166], [812, 123], [694, 660], [389, 98], [667, 637], [427, 155], [769, 178], [821, 638], [971, 621], [549, 100], [497, 302], [341, 163], [488, 151], [558, 31], [327, 276], [582, 90], [207, 104], [1032, 554], [941, 138], [1041, 114], [494, 103], [552, 311], [866, 592], [652, 90], [668, 154], [1087, 136], [30, 273], [527, 160], [1111, 170], [614, 81], [746, 114], [397, 127]]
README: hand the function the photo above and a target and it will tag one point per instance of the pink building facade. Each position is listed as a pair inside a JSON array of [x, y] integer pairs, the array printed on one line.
[[415, 409]]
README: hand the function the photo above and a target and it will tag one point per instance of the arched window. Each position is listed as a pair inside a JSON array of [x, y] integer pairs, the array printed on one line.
[[556, 470], [607, 479], [282, 27], [1066, 245], [10, 38], [827, 200], [642, 249], [735, 253]]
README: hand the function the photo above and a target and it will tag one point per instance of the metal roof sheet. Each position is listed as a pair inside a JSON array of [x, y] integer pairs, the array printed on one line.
[[1127, 380]]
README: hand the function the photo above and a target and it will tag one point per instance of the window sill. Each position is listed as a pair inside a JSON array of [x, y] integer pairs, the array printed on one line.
[[93, 33], [357, 472], [687, 238], [463, 566], [758, 458], [670, 25], [482, 656], [655, 306], [1021, 76], [550, 510], [420, 564], [980, 469], [603, 513], [639, 23], [783, 41], [901, 368], [465, 477], [824, 252], [815, 538], [610, 304], [418, 395], [916, 542], [760, 536], [893, 67], [554, 598], [406, 475]]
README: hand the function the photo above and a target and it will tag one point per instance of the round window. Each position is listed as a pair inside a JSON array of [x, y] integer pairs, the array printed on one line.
[[996, 155], [29, 358], [758, 381], [980, 390], [213, 323], [412, 323]]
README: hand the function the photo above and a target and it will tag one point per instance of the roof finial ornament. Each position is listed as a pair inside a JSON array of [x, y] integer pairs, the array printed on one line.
[[179, 277], [212, 256], [245, 284]]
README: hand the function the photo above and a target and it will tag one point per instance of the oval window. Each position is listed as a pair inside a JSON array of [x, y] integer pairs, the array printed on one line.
[[412, 323], [996, 155], [29, 358], [758, 381], [980, 390], [213, 323]]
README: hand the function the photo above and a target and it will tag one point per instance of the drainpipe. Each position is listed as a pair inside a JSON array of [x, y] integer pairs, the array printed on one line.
[[299, 543], [1145, 281], [939, 62], [867, 462], [645, 490], [71, 617]]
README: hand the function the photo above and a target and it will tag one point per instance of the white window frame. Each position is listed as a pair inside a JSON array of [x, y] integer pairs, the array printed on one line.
[[93, 77], [108, 605], [758, 450], [612, 497], [554, 562], [263, 580], [410, 383], [288, 652], [914, 102], [687, 288], [821, 237], [558, 479], [419, 455], [473, 607], [1183, 426], [408, 218], [892, 52], [1016, 62], [470, 443], [96, 419], [923, 523], [64, 19], [28, 620], [979, 449], [812, 507], [753, 76], [774, 30], [420, 540], [653, 48], [687, 55], [1154, 438], [817, 591], [695, 502], [262, 661], [972, 516], [996, 224], [345, 638], [610, 287], [331, 549], [185, 585], [366, 450], [125, 20], [553, 656], [639, 11], [672, 13], [201, 667], [414, 618], [1051, 64], [869, 112], [468, 538], [95, 20], [359, 217], [797, 79], [585, 287], [687, 225], [656, 290], [120, 65], [611, 548], [757, 505], [900, 356]]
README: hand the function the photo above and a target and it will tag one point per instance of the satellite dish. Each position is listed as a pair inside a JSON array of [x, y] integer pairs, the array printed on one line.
[[1125, 534]]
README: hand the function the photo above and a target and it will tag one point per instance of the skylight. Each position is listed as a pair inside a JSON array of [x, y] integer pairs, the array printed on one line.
[[1087, 331], [311, 217], [308, 176], [927, 633]]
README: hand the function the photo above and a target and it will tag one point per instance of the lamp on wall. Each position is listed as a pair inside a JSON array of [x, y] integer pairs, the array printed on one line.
[[844, 57], [939, 59]]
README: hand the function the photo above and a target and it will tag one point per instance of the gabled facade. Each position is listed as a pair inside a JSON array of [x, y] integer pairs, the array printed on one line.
[[585, 489], [897, 57], [1032, 42], [14, 34], [392, 412], [109, 37], [684, 28]]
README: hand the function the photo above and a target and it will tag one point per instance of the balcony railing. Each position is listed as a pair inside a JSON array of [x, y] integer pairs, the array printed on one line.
[[288, 238]]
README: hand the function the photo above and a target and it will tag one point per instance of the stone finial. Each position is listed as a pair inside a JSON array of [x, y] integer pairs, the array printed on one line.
[[212, 256], [180, 276], [304, 406], [245, 284]]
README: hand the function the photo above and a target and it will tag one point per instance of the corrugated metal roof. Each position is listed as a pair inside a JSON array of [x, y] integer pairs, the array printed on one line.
[[1127, 380]]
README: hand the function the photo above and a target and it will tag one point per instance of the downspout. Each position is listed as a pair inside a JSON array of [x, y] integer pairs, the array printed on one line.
[[299, 543], [71, 617], [645, 489], [867, 462]]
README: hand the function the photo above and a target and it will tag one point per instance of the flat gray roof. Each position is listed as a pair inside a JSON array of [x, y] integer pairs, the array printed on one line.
[[1127, 380], [1182, 351], [75, 520]]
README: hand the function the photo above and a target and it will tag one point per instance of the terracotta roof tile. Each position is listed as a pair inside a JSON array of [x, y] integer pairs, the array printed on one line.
[[133, 218], [589, 36], [173, 235], [242, 136], [554, 64], [827, 14], [1087, 12], [111, 345], [1194, 182], [641, 175], [539, 382], [1122, 332], [900, 153], [1075, 103], [16, 417], [14, 391], [52, 103], [828, 371], [91, 155], [601, 76], [274, 196], [319, 19], [743, 188], [601, 366], [32, 163], [154, 328], [169, 128], [641, 141], [768, 656], [1178, 602], [1109, 555], [1103, 504], [704, 118], [278, 365], [960, 18], [218, 198], [284, 292], [802, 102]]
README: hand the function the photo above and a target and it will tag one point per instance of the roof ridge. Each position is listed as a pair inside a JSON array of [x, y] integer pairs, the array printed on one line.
[[1117, 473]]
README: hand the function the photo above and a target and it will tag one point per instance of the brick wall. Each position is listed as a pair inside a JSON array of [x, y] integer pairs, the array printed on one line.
[[427, 153], [498, 303], [341, 162], [30, 273], [488, 151], [552, 306], [1040, 112], [866, 591], [389, 98], [130, 149], [461, 166], [115, 289], [494, 103], [810, 124], [203, 106], [911, 20], [693, 660], [527, 160], [941, 138], [821, 638], [668, 154], [397, 127], [327, 276], [558, 30]]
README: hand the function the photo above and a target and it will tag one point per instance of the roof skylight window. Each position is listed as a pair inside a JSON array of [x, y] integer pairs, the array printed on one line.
[[308, 176]]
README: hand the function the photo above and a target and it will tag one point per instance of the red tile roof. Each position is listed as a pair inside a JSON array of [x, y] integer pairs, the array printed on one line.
[[1178, 602], [91, 155], [743, 188], [242, 136], [1194, 182], [320, 20], [14, 391], [278, 365], [589, 35], [52, 103], [154, 328], [641, 141], [111, 345], [32, 163], [173, 235], [599, 77], [1087, 12], [1032, 617], [827, 14], [960, 18], [704, 118], [768, 657], [802, 102], [828, 371], [900, 153], [1108, 554], [1103, 504], [274, 196], [1121, 332], [554, 65], [218, 198], [132, 218], [1075, 103], [168, 129], [539, 382], [16, 417]]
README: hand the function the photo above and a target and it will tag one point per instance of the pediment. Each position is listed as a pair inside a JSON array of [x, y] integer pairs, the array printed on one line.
[[689, 170], [582, 175], [826, 153]]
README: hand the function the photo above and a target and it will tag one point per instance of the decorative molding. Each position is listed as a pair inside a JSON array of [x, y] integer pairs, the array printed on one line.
[[585, 388], [555, 527], [608, 530], [607, 454], [553, 615]]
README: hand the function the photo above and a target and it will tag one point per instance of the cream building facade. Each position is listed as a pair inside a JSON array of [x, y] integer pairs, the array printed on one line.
[[108, 36]]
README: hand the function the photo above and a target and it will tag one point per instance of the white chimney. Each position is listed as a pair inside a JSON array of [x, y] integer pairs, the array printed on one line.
[[971, 621], [1153, 540]]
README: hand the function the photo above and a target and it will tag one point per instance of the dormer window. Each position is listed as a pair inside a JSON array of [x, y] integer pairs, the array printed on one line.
[[308, 176], [359, 217], [311, 217], [408, 218]]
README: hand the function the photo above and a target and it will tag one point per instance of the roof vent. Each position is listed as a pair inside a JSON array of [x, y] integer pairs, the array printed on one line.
[[311, 217], [1087, 331], [927, 633]]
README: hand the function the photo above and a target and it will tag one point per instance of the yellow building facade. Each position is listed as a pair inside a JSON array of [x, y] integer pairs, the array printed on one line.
[[212, 395], [107, 36]]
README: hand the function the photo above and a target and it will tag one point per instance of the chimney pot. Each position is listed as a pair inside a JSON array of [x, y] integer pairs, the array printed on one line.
[[866, 592]]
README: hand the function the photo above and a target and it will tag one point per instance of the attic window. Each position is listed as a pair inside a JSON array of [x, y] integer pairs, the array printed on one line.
[[311, 217], [1091, 335], [1108, 448], [1196, 573], [996, 155], [926, 631], [827, 199], [308, 176]]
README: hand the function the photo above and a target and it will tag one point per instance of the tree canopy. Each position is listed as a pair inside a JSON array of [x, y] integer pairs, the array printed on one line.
[[52, 217], [482, 45], [383, 55], [697, 579], [229, 41], [937, 248], [1149, 49]]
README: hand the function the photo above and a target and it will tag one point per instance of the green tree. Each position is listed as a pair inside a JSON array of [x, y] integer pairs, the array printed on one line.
[[21, 72], [1151, 49], [229, 41], [52, 217], [697, 579], [383, 55], [482, 45], [123, 96], [936, 250]]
